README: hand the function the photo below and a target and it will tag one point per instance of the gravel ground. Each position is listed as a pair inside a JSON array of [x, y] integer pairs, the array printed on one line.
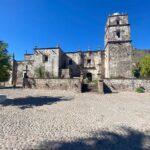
[[42, 119]]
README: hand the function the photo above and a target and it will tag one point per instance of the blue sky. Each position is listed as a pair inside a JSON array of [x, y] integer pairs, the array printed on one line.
[[71, 23]]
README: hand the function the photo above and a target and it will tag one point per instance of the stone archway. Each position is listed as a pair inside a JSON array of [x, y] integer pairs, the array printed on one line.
[[89, 76]]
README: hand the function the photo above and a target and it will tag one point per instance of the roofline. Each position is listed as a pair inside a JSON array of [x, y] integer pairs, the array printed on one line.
[[19, 61], [118, 15], [47, 48], [28, 54], [85, 51]]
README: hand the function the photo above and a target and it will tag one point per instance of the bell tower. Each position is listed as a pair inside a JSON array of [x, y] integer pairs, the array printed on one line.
[[118, 48]]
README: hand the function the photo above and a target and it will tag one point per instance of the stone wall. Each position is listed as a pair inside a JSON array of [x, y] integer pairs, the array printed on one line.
[[28, 57], [96, 58], [57, 84], [120, 60], [75, 57], [127, 84], [52, 63], [20, 67]]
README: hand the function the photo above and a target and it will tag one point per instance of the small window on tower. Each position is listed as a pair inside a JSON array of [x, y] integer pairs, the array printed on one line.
[[89, 61], [45, 58], [117, 22], [118, 33], [70, 61]]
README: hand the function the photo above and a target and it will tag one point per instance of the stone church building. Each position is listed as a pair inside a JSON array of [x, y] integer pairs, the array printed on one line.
[[115, 61]]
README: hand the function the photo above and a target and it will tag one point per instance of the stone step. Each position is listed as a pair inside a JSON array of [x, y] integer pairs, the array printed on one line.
[[108, 87], [92, 87]]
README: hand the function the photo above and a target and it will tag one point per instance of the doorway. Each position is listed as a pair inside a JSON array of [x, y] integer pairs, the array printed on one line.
[[89, 76]]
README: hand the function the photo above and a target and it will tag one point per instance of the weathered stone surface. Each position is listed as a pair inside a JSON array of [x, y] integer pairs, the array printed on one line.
[[55, 84], [100, 87], [58, 63], [127, 84], [118, 49], [66, 73]]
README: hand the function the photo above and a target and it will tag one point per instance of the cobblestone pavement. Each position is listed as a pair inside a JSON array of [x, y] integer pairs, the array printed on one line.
[[38, 119]]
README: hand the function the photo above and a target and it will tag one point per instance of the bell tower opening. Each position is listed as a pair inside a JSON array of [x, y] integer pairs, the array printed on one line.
[[118, 33], [117, 21]]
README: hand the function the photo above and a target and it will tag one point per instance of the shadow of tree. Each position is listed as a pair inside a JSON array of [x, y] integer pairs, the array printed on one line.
[[128, 139], [29, 102], [11, 87]]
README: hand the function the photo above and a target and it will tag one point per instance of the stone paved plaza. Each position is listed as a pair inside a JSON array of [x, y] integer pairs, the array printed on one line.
[[60, 120]]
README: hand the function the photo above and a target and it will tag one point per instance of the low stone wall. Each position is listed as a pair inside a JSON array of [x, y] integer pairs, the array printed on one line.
[[59, 84], [127, 84]]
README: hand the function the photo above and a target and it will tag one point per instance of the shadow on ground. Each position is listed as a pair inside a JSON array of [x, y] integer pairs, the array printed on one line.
[[29, 102], [10, 87], [104, 140]]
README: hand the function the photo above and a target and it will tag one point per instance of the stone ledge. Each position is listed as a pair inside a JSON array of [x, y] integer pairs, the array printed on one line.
[[2, 98]]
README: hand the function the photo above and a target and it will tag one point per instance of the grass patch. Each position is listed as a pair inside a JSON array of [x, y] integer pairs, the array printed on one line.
[[140, 90]]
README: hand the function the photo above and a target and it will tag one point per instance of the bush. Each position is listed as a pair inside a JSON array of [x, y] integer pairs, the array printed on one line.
[[140, 90], [95, 82], [136, 72], [145, 66]]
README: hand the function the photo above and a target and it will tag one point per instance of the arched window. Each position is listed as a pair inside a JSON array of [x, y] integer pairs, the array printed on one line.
[[45, 58], [89, 61], [117, 21], [118, 33]]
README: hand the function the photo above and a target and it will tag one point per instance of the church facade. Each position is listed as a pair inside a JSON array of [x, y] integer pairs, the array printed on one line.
[[115, 61]]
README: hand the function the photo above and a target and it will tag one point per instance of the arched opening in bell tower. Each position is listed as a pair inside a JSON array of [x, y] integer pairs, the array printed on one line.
[[118, 33]]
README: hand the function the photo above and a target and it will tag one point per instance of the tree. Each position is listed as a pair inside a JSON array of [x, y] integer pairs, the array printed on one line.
[[145, 66], [5, 65]]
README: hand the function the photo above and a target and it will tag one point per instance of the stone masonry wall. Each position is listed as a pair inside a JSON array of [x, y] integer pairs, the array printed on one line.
[[52, 64], [120, 60], [127, 84], [118, 48], [76, 58], [54, 84]]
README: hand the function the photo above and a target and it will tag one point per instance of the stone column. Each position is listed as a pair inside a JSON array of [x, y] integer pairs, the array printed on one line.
[[100, 84], [81, 76]]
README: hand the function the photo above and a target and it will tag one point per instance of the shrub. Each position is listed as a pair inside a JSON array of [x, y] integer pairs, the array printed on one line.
[[95, 82], [145, 66], [140, 90], [136, 72]]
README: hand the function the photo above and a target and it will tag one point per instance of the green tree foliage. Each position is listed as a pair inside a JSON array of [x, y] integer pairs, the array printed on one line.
[[136, 72], [5, 65], [145, 66], [40, 72]]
